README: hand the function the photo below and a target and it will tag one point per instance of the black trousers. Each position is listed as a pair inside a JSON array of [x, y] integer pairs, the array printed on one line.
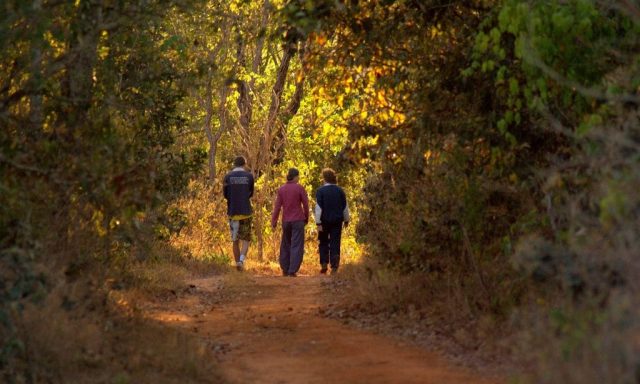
[[329, 247]]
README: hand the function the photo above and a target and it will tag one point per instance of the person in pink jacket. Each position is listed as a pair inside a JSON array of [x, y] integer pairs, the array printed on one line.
[[292, 199]]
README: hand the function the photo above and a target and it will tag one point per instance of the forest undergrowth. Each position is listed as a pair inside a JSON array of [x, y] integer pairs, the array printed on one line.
[[489, 150]]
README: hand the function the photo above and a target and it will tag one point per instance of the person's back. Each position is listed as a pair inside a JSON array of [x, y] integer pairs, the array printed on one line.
[[293, 199], [333, 201], [238, 189]]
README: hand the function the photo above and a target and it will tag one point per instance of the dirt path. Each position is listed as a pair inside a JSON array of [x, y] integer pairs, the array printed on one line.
[[267, 329]]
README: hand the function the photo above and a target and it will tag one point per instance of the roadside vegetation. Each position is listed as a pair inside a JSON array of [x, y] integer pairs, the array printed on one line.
[[489, 148]]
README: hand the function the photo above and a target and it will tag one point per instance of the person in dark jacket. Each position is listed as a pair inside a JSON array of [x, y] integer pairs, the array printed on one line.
[[292, 199], [331, 214], [238, 189]]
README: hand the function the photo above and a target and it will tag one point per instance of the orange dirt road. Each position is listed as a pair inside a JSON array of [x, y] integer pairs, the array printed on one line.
[[267, 329]]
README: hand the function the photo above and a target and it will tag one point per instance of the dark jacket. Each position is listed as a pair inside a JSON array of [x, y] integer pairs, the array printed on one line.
[[238, 189], [331, 205]]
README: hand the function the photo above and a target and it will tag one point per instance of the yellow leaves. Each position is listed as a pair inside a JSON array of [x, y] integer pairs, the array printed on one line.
[[371, 76], [103, 48], [58, 47], [326, 129], [341, 101], [436, 31], [332, 134], [364, 114], [381, 98], [320, 39], [98, 218]]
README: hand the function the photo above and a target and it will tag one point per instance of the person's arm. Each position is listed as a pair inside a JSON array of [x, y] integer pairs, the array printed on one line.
[[318, 213], [225, 187], [305, 204], [276, 210], [318, 209], [251, 185], [345, 213]]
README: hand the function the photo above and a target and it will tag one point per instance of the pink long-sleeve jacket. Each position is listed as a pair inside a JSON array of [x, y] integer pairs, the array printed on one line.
[[294, 202]]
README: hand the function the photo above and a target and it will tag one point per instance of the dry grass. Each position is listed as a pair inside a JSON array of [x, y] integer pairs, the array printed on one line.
[[75, 338], [205, 214], [88, 328], [415, 307]]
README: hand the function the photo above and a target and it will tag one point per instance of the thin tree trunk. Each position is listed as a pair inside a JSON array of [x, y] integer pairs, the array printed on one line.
[[279, 137], [257, 58], [78, 82], [208, 129], [265, 155], [244, 103], [262, 219], [472, 261], [36, 114], [214, 138]]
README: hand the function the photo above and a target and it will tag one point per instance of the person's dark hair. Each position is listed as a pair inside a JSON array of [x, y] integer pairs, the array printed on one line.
[[292, 174], [329, 176], [239, 161]]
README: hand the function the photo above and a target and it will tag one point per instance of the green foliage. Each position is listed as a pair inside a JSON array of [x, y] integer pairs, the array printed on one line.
[[89, 100], [502, 179], [220, 259], [488, 146], [549, 57]]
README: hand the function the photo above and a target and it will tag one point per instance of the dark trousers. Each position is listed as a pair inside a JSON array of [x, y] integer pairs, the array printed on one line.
[[329, 247], [292, 246]]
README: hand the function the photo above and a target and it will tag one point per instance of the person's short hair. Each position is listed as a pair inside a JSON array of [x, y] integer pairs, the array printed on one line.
[[239, 161], [292, 174], [329, 176]]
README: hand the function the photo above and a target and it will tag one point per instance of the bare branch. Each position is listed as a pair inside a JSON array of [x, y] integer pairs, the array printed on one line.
[[244, 99], [257, 58]]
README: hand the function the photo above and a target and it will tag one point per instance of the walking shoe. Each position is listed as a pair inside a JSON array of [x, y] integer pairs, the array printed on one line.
[[240, 266], [292, 274], [334, 271], [324, 268], [284, 273]]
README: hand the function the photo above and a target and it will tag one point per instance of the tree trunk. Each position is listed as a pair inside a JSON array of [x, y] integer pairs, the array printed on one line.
[[265, 155], [214, 137], [36, 113], [78, 82], [208, 129], [278, 141]]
